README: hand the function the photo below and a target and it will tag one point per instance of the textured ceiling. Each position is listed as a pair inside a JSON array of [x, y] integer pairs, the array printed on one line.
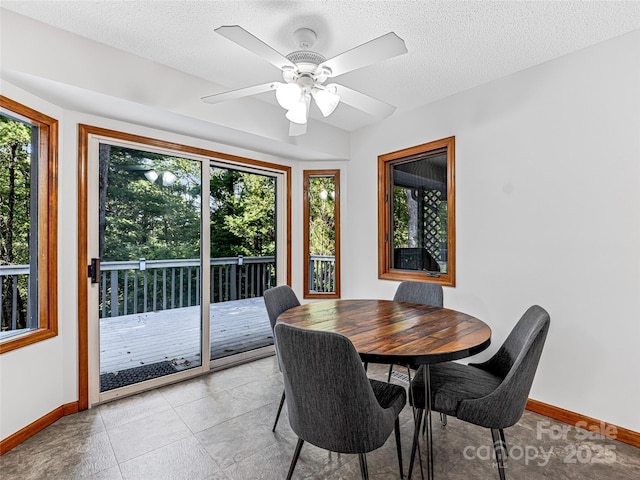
[[453, 46]]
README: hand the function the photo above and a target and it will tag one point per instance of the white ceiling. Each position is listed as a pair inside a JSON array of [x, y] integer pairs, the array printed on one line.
[[453, 46]]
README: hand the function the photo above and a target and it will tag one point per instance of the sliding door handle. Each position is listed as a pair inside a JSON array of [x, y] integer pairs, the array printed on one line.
[[94, 270]]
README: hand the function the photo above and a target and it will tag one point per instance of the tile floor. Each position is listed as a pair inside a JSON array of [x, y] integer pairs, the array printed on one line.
[[218, 427]]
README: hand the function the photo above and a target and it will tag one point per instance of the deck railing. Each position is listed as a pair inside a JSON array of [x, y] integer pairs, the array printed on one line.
[[151, 285], [14, 308], [322, 273]]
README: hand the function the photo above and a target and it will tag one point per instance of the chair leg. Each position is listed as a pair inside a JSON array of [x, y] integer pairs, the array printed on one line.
[[443, 422], [399, 445], [363, 466], [499, 448], [275, 424], [414, 445], [294, 460], [443, 419], [390, 372], [504, 442]]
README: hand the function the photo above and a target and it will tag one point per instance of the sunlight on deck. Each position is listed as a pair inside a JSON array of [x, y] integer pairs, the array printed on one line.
[[130, 341]]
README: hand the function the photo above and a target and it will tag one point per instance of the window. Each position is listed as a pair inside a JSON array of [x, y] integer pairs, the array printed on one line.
[[322, 233], [416, 213], [28, 225]]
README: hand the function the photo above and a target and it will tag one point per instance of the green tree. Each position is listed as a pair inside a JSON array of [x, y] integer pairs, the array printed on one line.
[[15, 212], [224, 242], [160, 219], [251, 216], [322, 223], [401, 217], [151, 219]]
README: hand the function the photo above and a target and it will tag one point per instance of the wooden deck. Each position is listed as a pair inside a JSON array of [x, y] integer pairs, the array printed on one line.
[[130, 341]]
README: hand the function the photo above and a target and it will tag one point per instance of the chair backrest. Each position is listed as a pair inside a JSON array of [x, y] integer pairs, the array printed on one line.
[[277, 300], [419, 292], [330, 400], [516, 362]]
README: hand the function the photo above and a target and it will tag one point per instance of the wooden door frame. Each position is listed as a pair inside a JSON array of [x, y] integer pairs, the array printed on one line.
[[84, 131]]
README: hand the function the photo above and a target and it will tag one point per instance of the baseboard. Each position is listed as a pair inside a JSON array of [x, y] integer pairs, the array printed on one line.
[[30, 430], [623, 435], [70, 408]]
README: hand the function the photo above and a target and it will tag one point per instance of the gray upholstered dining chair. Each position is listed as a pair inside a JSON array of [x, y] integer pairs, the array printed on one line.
[[277, 300], [331, 402], [424, 293], [492, 394], [418, 292]]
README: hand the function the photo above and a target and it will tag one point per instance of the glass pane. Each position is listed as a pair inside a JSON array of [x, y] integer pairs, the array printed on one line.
[[419, 212], [18, 226], [150, 285], [322, 231], [242, 213]]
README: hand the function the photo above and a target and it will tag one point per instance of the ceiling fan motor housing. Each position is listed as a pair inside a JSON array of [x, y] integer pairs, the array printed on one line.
[[307, 71], [306, 56]]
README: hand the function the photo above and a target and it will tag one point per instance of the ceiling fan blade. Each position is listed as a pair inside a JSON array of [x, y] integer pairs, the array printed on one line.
[[296, 129], [376, 50], [363, 102], [241, 92], [239, 35]]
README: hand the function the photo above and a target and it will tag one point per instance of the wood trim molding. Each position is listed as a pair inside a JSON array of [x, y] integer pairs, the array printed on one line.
[[307, 175], [288, 220], [384, 197], [83, 161], [83, 294], [178, 147], [40, 424], [609, 430], [47, 226]]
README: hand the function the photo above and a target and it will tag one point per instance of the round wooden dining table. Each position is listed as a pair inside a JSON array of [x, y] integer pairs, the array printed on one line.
[[386, 331]]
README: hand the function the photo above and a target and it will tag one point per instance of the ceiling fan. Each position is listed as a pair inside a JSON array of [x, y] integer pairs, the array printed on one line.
[[305, 73]]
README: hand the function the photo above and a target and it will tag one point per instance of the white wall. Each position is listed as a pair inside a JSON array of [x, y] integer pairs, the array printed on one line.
[[37, 379], [548, 212], [32, 378]]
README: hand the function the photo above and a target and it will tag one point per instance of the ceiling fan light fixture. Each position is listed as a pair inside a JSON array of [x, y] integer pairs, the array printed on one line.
[[298, 114], [288, 95], [326, 100]]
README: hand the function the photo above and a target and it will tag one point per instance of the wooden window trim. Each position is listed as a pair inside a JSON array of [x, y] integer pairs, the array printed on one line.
[[307, 174], [47, 227], [386, 273]]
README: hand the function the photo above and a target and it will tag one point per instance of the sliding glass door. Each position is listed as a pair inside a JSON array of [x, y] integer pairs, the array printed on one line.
[[149, 283], [181, 247], [243, 212]]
